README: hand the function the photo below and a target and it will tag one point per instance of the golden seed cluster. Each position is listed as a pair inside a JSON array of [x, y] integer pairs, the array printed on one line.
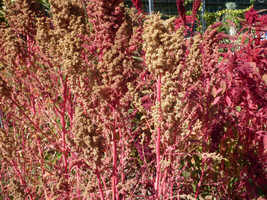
[[164, 48], [5, 90], [193, 62], [88, 137]]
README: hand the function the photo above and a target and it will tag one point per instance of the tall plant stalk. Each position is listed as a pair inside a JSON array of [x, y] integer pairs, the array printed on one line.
[[114, 156], [99, 184], [63, 124], [158, 102]]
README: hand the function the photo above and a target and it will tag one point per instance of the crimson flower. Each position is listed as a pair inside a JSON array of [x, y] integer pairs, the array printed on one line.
[[137, 4], [251, 16], [196, 5], [181, 10]]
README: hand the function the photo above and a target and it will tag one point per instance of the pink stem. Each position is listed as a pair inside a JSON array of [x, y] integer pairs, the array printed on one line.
[[105, 185], [78, 183], [114, 171], [99, 184], [122, 164], [201, 178], [157, 189], [63, 124], [21, 179], [203, 159], [34, 124], [164, 182]]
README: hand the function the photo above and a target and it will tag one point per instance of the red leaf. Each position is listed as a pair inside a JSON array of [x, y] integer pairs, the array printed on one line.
[[196, 5], [218, 91], [228, 101], [215, 92], [223, 85], [137, 4], [215, 100], [251, 16], [181, 10]]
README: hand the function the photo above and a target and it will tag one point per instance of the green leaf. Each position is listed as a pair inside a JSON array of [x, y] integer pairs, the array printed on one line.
[[137, 58], [185, 174], [194, 187], [130, 111], [238, 108]]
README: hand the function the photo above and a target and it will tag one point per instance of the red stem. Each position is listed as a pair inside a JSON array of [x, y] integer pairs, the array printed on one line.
[[35, 125], [157, 189], [20, 177], [114, 155], [201, 178], [99, 184], [63, 124], [105, 185], [78, 182], [203, 159], [122, 164]]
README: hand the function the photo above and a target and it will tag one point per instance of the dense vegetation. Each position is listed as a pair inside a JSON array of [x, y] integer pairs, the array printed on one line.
[[99, 101]]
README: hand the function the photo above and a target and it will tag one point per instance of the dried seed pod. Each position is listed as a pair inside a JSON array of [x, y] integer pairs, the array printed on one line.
[[5, 90]]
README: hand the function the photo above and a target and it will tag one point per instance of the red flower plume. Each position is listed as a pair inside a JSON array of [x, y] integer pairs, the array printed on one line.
[[181, 10], [251, 16], [196, 5], [137, 4]]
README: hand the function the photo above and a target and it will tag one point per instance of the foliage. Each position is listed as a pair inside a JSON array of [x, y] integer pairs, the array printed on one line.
[[99, 101], [226, 15]]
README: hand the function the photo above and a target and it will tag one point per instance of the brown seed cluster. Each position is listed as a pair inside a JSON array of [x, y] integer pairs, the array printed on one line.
[[21, 16], [211, 46], [210, 54], [5, 90], [6, 144], [164, 48], [88, 138], [105, 18], [16, 190], [193, 62], [61, 41], [171, 105], [115, 66], [64, 37], [13, 48]]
